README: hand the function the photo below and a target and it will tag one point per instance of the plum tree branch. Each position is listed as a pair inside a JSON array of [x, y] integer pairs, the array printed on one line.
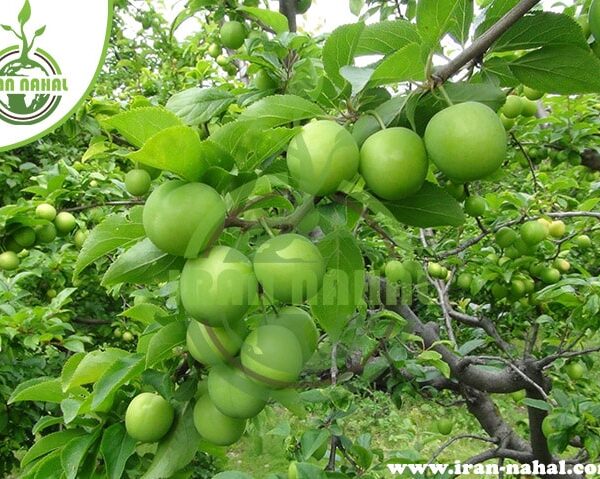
[[288, 8], [483, 43]]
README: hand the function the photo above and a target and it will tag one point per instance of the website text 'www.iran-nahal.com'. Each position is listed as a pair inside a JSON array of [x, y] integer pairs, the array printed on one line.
[[494, 470]]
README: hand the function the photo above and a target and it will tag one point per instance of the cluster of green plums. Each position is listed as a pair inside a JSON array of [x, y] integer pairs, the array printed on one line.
[[515, 106], [48, 224]]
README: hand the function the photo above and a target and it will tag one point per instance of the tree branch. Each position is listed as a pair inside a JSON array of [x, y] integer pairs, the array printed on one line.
[[484, 42], [288, 8]]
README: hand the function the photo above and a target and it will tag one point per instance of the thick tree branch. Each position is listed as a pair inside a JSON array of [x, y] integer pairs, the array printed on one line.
[[484, 42]]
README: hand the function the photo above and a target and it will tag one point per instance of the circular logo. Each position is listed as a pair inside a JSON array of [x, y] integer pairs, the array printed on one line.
[[31, 86]]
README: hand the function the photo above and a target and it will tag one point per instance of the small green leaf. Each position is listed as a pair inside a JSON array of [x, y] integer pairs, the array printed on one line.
[[280, 110], [405, 64], [116, 447], [49, 443], [564, 70], [139, 125], [145, 313], [38, 389], [141, 264], [74, 452], [435, 18], [386, 37], [121, 372], [25, 13], [538, 404], [270, 18], [177, 149], [177, 449], [541, 29], [91, 367], [162, 343], [200, 105], [114, 232], [339, 51], [358, 77]]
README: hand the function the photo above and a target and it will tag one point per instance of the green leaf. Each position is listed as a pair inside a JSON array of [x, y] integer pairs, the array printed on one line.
[[139, 125], [368, 124], [38, 389], [356, 6], [431, 206], [290, 399], [200, 105], [496, 10], [541, 29], [145, 313], [232, 475], [280, 110], [405, 64], [358, 77], [121, 372], [339, 51], [270, 18], [343, 284], [49, 443], [162, 343], [386, 37], [141, 264], [177, 449], [74, 452], [25, 13], [564, 70], [177, 149], [91, 367], [538, 404], [114, 232], [116, 447], [435, 18]]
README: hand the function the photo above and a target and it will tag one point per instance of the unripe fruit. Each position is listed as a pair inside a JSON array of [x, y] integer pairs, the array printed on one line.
[[464, 280], [505, 237], [456, 190], [444, 426], [466, 141], [302, 6], [519, 395], [533, 232], [301, 324], [79, 238], [394, 163], [45, 234], [65, 223], [117, 333], [214, 426], [518, 288], [499, 291], [395, 272], [532, 94], [45, 212], [51, 294], [218, 287], [513, 106], [507, 122], [562, 265], [127, 337], [222, 60], [545, 223], [594, 19], [576, 370], [529, 108], [321, 157], [210, 346], [148, 417], [233, 34], [25, 237], [475, 206], [93, 184], [525, 249], [583, 241], [182, 218], [9, 261], [138, 182], [290, 268], [557, 229], [436, 270], [234, 394], [214, 50], [550, 275], [264, 81], [272, 355], [512, 252], [547, 427]]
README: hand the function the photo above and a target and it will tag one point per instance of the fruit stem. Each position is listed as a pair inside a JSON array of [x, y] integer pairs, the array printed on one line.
[[376, 115], [445, 95]]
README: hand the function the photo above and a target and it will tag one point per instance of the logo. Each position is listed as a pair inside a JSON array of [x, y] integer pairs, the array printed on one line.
[[50, 54]]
